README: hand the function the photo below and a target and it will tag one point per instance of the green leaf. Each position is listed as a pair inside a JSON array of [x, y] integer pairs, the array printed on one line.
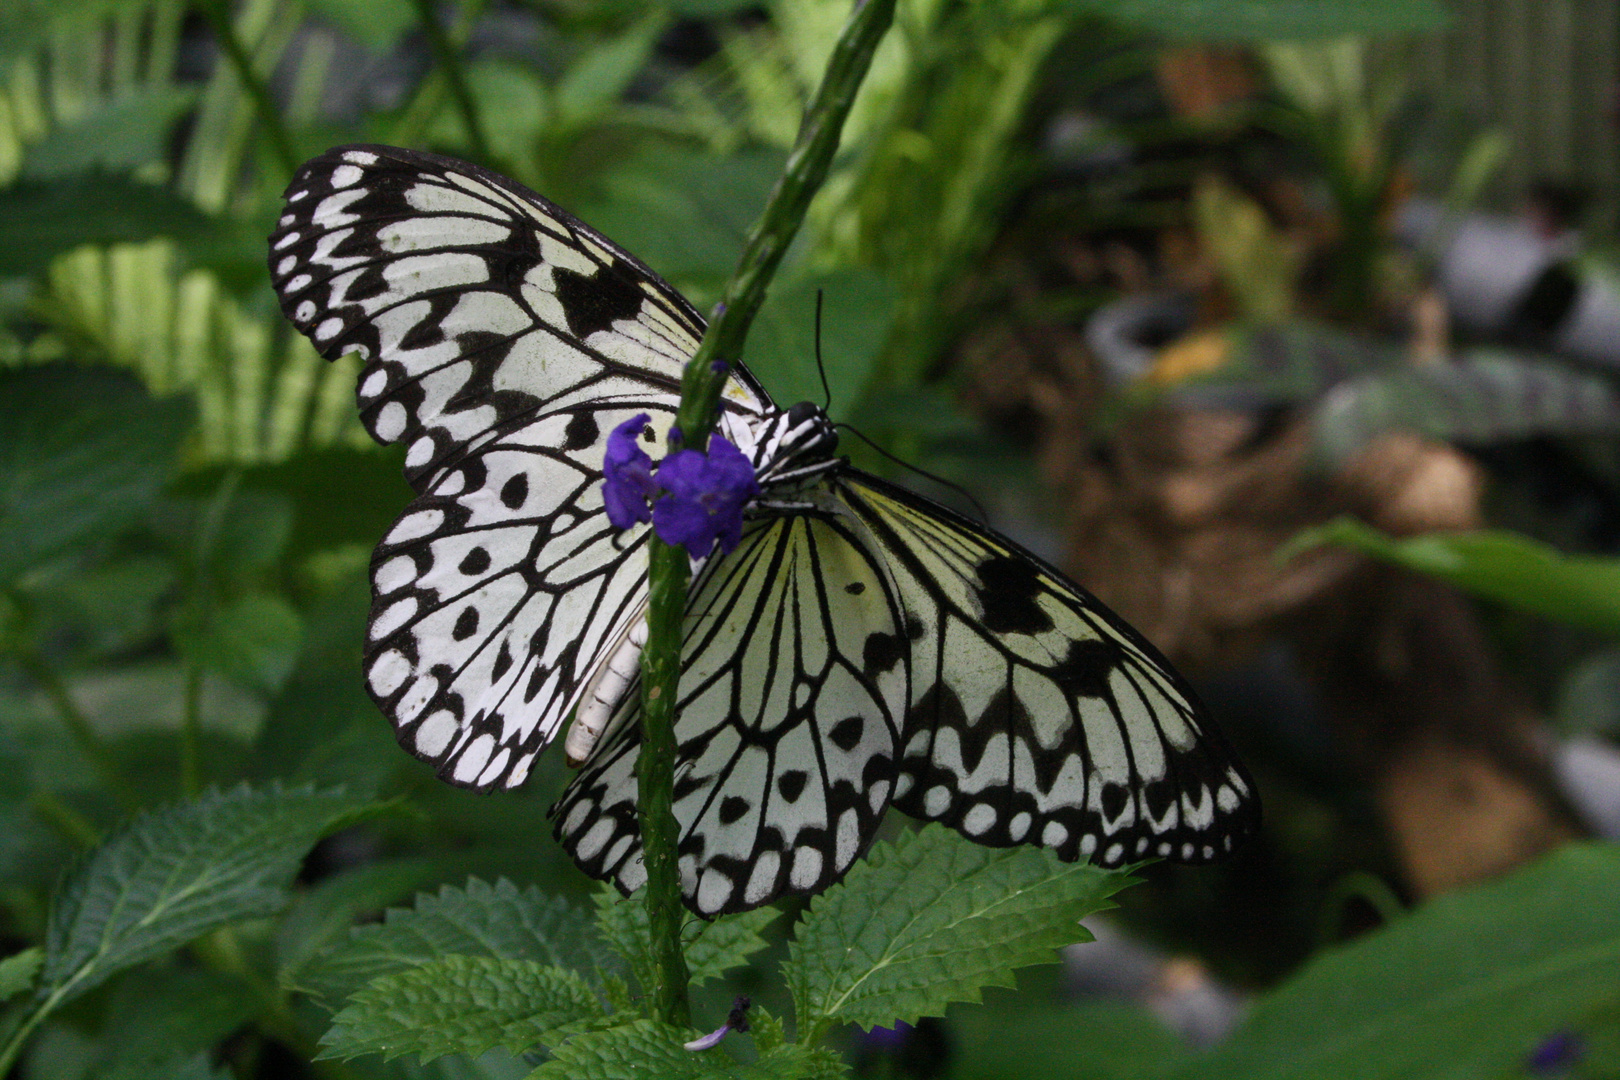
[[497, 921], [1504, 566], [253, 641], [621, 923], [1273, 20], [857, 310], [712, 949], [325, 914], [1482, 398], [25, 25], [158, 1019], [130, 131], [595, 81], [17, 972], [645, 1048], [1099, 1040], [931, 919], [173, 874], [726, 943], [40, 219], [83, 453], [1467, 985], [376, 24], [461, 1004]]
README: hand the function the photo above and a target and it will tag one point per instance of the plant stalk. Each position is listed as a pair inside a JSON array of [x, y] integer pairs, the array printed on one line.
[[669, 568], [219, 18], [444, 54]]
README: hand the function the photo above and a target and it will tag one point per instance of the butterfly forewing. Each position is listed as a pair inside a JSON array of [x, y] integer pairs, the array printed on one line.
[[503, 341], [1035, 715], [791, 682]]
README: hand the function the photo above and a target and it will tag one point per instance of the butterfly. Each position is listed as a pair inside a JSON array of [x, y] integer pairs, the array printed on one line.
[[862, 647]]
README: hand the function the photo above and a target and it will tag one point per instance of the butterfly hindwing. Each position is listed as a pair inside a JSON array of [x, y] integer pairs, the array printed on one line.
[[791, 682], [1035, 715]]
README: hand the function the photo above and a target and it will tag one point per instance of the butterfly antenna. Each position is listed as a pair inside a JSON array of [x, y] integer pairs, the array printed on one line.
[[821, 369], [984, 518]]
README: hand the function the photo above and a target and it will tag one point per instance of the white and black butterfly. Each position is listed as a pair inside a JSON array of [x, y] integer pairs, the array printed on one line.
[[861, 647]]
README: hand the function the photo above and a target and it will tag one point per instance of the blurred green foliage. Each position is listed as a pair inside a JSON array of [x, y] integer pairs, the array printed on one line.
[[187, 506]]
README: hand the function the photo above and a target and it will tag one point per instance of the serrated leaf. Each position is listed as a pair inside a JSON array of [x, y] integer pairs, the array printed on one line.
[[1272, 20], [1582, 590], [712, 949], [17, 972], [324, 915], [83, 452], [931, 919], [727, 943], [1481, 398], [497, 921], [461, 1005], [176, 873], [1466, 986], [40, 219], [645, 1048]]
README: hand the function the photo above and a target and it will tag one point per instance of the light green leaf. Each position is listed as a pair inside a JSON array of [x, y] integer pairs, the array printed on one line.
[[130, 131], [376, 24], [1467, 985], [497, 921], [644, 1048], [931, 919], [1096, 1040], [17, 972], [1484, 397], [857, 310], [173, 874], [1504, 566], [83, 452], [461, 1004], [40, 219], [596, 80], [1273, 20]]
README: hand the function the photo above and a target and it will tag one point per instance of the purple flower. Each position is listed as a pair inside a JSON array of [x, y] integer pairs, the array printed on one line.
[[627, 475], [1559, 1052], [706, 496], [736, 1020]]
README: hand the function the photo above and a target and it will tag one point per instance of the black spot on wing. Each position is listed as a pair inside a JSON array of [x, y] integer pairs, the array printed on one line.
[[846, 734], [515, 492], [503, 662], [1006, 594], [1084, 669], [581, 432], [732, 809], [466, 624], [474, 562], [595, 302], [880, 652], [791, 784], [855, 588], [1114, 799]]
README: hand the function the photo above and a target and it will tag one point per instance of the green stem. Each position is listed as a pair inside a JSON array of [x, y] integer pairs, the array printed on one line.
[[219, 17], [668, 567], [78, 725], [66, 820], [445, 55], [807, 167], [202, 586]]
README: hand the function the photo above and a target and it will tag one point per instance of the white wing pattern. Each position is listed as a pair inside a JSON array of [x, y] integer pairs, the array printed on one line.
[[862, 647]]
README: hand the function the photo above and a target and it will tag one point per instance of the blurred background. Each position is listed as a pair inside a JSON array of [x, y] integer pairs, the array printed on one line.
[[1290, 328]]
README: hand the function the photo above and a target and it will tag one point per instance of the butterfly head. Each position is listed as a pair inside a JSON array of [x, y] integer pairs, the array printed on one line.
[[793, 446]]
